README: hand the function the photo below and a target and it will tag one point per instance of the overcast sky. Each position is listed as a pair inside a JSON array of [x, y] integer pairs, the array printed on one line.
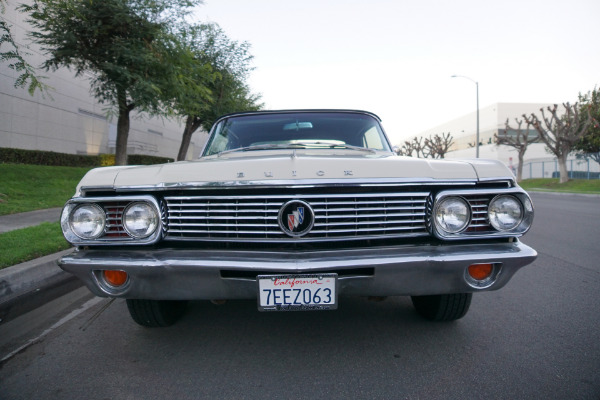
[[395, 58]]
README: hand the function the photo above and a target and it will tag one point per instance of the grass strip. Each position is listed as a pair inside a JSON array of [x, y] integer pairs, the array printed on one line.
[[29, 243], [585, 186], [35, 187]]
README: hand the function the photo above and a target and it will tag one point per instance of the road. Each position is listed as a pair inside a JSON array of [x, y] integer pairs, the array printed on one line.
[[538, 338]]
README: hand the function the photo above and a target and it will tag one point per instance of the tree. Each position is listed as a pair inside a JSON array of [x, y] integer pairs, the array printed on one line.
[[416, 146], [518, 139], [560, 132], [10, 52], [127, 47], [405, 149], [438, 145], [589, 145], [229, 62], [435, 147]]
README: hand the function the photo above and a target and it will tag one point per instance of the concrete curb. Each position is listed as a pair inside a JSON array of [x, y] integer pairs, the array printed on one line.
[[26, 286]]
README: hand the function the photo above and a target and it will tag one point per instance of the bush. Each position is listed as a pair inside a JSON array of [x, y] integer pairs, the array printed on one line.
[[106, 160], [38, 157]]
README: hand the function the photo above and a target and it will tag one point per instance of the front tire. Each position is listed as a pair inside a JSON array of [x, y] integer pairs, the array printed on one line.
[[156, 313], [442, 307]]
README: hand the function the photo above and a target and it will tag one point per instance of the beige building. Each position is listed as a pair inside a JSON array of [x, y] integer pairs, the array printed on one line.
[[69, 119]]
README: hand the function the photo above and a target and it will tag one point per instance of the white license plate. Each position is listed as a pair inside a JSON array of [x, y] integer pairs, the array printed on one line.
[[297, 292]]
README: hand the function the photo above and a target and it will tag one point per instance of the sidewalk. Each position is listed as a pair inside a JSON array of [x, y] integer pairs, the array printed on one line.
[[24, 220], [26, 286]]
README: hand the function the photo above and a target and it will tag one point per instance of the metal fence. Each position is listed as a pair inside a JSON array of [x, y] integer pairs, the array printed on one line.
[[578, 169]]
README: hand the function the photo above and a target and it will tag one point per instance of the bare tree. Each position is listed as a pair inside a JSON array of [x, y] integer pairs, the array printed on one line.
[[406, 149], [560, 132], [519, 141], [416, 146], [438, 145]]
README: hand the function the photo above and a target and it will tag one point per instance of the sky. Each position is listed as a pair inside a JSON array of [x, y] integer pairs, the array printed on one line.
[[396, 58]]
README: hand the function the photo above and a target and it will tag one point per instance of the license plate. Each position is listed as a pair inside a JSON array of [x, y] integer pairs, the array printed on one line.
[[297, 292]]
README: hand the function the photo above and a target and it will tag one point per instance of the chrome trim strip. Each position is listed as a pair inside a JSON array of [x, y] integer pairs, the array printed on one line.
[[287, 240], [304, 196], [107, 240], [506, 179], [492, 233], [295, 184]]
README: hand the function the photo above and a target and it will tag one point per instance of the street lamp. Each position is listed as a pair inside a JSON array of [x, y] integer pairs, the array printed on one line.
[[477, 94]]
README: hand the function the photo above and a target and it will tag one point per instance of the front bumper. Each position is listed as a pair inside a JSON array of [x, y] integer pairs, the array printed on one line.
[[174, 274]]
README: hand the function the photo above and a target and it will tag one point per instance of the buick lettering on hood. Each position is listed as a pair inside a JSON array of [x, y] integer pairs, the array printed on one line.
[[297, 209]]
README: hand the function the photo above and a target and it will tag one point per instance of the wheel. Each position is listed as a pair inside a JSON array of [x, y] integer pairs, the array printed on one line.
[[156, 313], [443, 307]]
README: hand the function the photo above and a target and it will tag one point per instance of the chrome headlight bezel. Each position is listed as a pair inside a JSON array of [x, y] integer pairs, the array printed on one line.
[[112, 234], [480, 226]]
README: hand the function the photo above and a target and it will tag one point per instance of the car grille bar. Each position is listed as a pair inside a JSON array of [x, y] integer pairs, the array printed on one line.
[[337, 216], [479, 209], [114, 216]]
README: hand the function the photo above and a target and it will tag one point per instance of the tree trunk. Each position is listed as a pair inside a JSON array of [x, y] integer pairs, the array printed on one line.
[[520, 166], [122, 129], [562, 167], [191, 125], [185, 139]]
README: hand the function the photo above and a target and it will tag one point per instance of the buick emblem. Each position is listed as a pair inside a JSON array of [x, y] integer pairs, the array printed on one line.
[[296, 218]]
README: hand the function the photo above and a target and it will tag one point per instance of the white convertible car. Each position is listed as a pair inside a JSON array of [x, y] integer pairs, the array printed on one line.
[[297, 209]]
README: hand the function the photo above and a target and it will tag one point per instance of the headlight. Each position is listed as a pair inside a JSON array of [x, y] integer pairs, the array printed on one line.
[[452, 214], [505, 212], [87, 221], [140, 219]]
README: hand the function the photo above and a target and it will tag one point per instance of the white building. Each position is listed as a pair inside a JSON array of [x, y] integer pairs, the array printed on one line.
[[69, 119], [538, 162], [492, 121]]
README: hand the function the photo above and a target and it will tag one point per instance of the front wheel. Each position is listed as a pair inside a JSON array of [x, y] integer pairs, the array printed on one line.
[[156, 313], [442, 307]]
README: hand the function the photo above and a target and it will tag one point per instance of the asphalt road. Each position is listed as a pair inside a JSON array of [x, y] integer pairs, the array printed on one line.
[[538, 338]]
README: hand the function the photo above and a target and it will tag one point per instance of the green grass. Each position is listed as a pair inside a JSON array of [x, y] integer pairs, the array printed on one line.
[[29, 243], [590, 186], [35, 187]]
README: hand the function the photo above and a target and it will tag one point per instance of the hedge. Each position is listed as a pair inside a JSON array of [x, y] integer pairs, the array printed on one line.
[[38, 157]]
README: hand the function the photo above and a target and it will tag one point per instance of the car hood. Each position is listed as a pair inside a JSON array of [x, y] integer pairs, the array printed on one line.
[[279, 167]]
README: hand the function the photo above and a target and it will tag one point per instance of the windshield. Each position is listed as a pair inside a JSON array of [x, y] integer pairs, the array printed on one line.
[[297, 130]]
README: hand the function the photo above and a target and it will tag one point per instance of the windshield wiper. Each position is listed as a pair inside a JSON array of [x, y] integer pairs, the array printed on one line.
[[266, 146], [346, 146], [299, 145]]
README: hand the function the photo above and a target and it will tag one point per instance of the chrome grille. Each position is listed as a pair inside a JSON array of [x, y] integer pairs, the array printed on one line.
[[479, 208], [114, 220], [337, 216]]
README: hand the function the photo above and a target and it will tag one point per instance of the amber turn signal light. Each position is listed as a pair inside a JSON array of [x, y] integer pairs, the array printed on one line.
[[481, 272], [115, 277]]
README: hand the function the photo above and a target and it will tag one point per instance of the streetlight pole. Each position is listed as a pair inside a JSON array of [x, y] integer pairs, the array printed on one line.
[[477, 96]]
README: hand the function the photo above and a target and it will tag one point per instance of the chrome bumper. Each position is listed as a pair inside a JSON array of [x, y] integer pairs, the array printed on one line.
[[228, 274]]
